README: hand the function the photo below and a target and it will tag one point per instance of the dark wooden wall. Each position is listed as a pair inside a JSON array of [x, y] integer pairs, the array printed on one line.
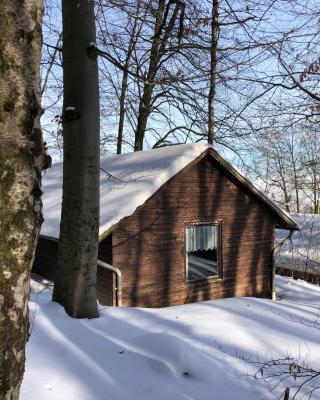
[[149, 246], [105, 278], [46, 260]]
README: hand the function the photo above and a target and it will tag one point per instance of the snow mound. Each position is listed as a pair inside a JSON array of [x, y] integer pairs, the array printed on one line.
[[292, 290], [188, 352], [303, 251], [173, 355]]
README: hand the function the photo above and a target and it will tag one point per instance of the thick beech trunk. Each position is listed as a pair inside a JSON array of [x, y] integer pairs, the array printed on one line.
[[21, 161], [75, 285]]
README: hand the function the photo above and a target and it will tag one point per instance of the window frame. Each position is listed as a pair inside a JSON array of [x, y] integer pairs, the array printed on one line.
[[217, 223]]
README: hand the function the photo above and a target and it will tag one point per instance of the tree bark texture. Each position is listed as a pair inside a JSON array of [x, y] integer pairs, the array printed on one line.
[[21, 160], [213, 70], [75, 285]]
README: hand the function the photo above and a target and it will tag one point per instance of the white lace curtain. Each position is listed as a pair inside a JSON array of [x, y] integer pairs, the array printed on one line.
[[202, 237]]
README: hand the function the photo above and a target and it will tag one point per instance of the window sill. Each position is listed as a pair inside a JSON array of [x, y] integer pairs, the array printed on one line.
[[203, 280]]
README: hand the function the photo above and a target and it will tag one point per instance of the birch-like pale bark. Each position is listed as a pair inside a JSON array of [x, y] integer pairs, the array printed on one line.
[[21, 160], [213, 70], [75, 284]]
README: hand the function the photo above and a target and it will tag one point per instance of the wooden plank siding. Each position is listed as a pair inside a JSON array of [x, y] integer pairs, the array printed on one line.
[[149, 246]]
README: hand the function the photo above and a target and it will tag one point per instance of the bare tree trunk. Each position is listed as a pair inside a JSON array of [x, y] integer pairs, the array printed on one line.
[[213, 70], [122, 111], [315, 188], [21, 161], [293, 152], [144, 106], [296, 186], [157, 51], [143, 114], [283, 186], [75, 284], [124, 83]]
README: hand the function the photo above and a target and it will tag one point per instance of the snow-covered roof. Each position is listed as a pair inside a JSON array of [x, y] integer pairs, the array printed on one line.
[[302, 252], [128, 180]]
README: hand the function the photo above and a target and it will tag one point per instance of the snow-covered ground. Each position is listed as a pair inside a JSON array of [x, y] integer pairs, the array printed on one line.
[[303, 252], [178, 353]]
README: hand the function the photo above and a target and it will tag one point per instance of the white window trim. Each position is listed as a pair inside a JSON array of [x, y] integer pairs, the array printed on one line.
[[219, 250]]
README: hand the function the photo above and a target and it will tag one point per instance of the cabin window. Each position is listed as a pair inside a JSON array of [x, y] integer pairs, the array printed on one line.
[[202, 244]]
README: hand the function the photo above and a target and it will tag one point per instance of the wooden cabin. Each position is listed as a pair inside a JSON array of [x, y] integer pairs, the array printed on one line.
[[180, 223]]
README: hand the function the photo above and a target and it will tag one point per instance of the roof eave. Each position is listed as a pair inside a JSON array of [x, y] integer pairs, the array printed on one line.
[[288, 227], [285, 222]]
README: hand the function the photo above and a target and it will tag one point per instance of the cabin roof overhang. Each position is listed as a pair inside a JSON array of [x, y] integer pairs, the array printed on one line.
[[172, 163]]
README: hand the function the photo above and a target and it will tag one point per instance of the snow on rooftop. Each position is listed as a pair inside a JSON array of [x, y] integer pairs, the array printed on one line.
[[126, 182]]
